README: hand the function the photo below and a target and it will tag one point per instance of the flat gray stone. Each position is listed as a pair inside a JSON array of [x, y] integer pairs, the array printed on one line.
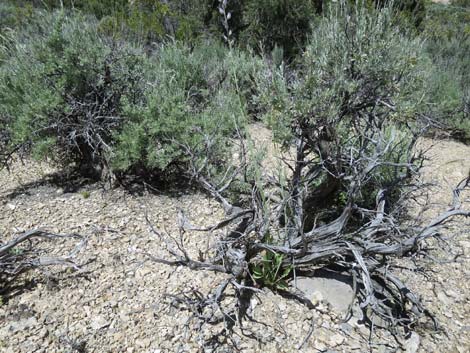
[[99, 322], [335, 289]]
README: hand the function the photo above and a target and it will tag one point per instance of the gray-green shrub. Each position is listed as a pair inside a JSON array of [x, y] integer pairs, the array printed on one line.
[[358, 87], [71, 94], [62, 89], [192, 94], [447, 34]]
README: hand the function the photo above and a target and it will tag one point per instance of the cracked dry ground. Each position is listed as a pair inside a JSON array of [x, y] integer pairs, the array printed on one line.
[[116, 304]]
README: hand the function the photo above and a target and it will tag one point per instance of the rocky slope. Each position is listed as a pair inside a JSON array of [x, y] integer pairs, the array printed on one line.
[[117, 302]]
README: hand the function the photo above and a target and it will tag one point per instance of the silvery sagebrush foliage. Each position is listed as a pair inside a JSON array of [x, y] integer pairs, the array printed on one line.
[[191, 94], [75, 95], [447, 33], [349, 118], [63, 87]]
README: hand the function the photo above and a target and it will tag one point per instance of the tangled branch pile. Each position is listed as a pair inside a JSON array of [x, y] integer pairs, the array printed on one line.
[[349, 121], [22, 254], [347, 113]]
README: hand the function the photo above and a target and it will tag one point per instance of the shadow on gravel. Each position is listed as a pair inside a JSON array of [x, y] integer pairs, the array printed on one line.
[[56, 183], [16, 289], [157, 185], [70, 181]]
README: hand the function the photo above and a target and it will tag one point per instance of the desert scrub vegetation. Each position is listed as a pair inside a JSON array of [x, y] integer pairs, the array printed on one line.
[[64, 87], [143, 90], [76, 96], [350, 115], [258, 25], [193, 94], [353, 73], [447, 33]]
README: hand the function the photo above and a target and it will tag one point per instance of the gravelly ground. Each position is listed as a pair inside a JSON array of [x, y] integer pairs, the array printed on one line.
[[117, 303]]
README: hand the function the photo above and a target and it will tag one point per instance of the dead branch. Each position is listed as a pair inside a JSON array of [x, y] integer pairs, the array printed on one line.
[[16, 259], [357, 239]]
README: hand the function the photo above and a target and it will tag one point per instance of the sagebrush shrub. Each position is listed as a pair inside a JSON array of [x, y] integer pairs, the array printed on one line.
[[62, 89], [71, 94], [447, 34], [358, 87], [192, 94]]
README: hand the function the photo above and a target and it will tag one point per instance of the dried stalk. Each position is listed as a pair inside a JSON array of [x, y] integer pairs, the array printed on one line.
[[15, 261]]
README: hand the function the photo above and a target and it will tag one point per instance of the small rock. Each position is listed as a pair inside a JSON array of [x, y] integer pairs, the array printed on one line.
[[451, 293], [118, 336], [412, 344], [22, 325], [465, 244], [337, 339], [443, 298], [143, 343], [448, 314], [99, 322], [316, 298], [336, 289], [320, 346], [382, 349], [11, 206], [43, 333], [253, 303], [345, 327]]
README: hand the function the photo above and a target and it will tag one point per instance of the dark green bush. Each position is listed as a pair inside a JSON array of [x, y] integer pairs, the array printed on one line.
[[281, 23], [409, 13]]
